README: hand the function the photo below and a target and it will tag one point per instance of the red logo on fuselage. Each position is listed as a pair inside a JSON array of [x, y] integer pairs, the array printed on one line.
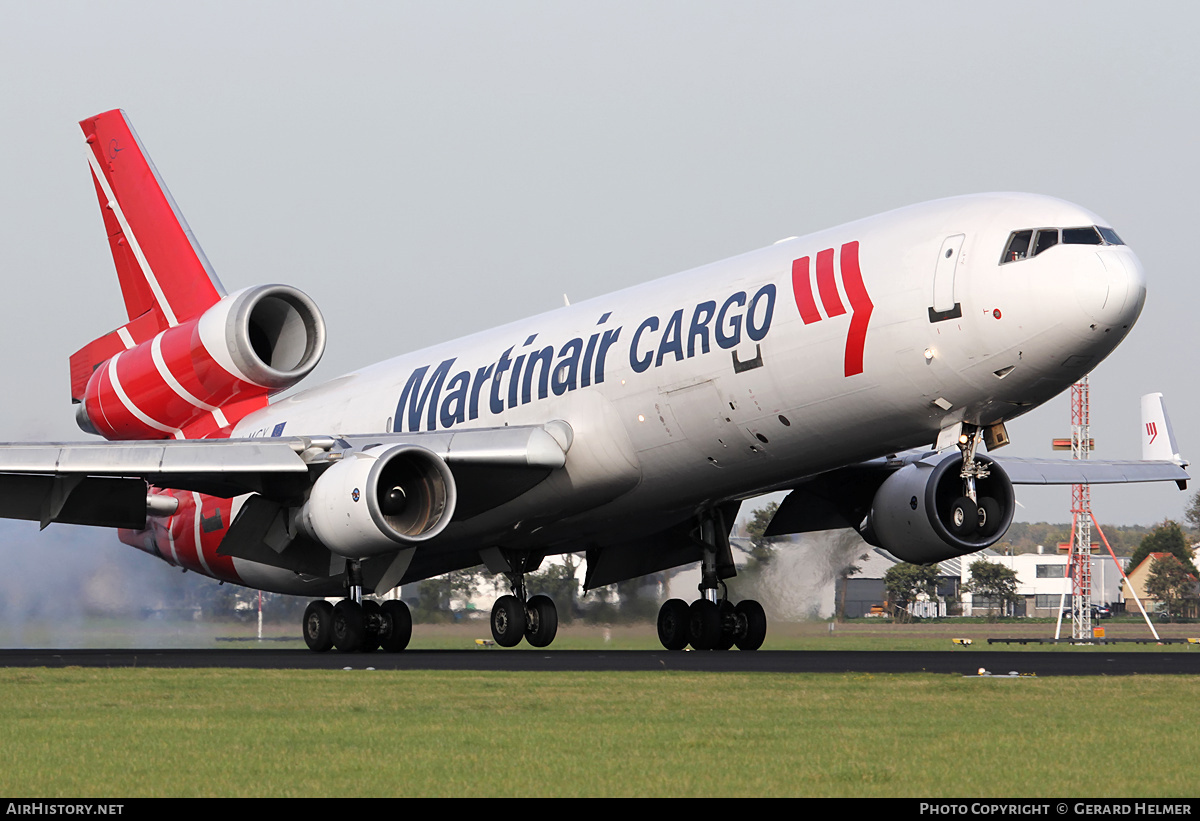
[[831, 301]]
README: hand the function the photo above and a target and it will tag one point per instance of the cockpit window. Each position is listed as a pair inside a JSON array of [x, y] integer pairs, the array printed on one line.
[[1046, 238], [1081, 236], [1024, 244], [1018, 246]]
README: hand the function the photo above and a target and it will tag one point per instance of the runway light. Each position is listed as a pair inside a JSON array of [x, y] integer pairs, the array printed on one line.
[[641, 418], [928, 354]]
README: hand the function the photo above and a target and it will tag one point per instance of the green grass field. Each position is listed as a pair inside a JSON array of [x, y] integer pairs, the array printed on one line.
[[125, 733]]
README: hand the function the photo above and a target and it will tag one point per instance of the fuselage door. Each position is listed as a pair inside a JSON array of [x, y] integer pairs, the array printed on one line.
[[943, 275]]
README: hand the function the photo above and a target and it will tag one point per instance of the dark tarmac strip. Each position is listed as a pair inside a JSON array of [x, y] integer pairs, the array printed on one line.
[[765, 661]]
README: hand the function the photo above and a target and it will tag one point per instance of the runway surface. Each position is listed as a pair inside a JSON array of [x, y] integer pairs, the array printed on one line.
[[962, 662]]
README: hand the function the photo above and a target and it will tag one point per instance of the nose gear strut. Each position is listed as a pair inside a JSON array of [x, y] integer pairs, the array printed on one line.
[[971, 513]]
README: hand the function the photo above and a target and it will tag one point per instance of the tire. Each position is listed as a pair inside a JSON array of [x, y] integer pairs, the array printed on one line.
[[673, 620], [371, 619], [756, 625], [395, 626], [989, 516], [318, 626], [704, 624], [964, 517], [541, 621], [347, 626], [508, 621], [729, 627]]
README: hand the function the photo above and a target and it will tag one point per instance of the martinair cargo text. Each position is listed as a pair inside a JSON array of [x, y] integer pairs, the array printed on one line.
[[864, 369]]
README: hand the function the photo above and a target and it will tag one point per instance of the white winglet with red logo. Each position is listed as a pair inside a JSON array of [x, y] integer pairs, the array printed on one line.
[[1158, 439]]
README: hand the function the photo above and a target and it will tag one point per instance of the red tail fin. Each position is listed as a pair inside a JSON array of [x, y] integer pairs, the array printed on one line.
[[165, 277], [161, 266]]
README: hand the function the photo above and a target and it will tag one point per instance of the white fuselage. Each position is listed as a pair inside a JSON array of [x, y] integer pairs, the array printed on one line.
[[711, 385]]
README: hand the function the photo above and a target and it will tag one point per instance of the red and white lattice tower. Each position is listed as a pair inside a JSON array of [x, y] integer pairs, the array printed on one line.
[[1079, 562]]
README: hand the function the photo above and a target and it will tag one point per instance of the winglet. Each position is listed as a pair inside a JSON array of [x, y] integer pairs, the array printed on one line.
[[1158, 438]]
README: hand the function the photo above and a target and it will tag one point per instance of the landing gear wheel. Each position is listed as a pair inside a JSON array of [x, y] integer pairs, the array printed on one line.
[[541, 621], [704, 624], [673, 618], [508, 621], [347, 626], [964, 516], [729, 627], [318, 626], [371, 621], [989, 516], [395, 626], [755, 632]]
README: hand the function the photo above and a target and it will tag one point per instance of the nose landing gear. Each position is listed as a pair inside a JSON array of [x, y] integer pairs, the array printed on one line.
[[972, 513]]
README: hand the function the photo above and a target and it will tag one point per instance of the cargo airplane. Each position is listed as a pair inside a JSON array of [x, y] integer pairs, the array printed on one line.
[[865, 369]]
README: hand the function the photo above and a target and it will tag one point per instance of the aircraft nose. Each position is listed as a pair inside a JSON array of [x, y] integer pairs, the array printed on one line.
[[1111, 287]]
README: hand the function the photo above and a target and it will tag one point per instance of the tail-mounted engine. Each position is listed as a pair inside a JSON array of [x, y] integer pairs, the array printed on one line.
[[380, 499], [920, 513], [191, 377]]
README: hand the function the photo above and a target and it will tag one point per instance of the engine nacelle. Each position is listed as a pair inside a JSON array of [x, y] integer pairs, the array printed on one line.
[[250, 344], [378, 500], [917, 517]]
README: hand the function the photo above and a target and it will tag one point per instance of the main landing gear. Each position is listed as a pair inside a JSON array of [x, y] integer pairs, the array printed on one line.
[[712, 622], [354, 625], [517, 616], [707, 625]]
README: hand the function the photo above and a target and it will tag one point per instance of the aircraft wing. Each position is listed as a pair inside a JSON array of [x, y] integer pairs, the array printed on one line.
[[1161, 460], [105, 483], [845, 496], [1090, 472]]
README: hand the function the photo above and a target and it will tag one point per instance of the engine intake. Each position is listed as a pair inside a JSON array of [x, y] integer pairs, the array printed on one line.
[[374, 501], [920, 515], [186, 378], [274, 334]]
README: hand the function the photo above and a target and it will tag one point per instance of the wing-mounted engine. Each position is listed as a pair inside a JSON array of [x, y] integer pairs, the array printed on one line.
[[378, 500], [920, 513], [206, 373]]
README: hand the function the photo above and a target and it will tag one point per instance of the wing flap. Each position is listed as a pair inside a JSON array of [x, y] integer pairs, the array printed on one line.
[[101, 501]]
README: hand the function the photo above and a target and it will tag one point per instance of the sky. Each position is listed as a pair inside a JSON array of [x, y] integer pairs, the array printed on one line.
[[425, 170]]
